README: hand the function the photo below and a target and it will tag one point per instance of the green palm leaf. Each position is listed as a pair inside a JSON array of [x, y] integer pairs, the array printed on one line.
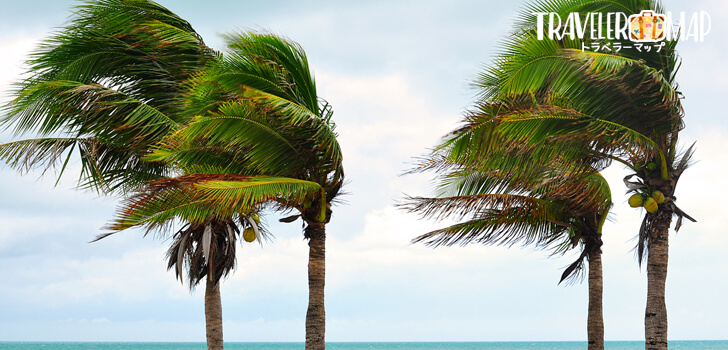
[[114, 74]]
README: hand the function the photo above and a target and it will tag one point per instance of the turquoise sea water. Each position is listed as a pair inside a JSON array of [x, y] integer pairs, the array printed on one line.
[[610, 345]]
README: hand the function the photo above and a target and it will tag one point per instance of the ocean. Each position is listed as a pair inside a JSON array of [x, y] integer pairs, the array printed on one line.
[[610, 345]]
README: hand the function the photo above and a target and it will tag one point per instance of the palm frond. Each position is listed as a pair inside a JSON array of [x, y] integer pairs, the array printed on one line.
[[195, 198], [113, 74], [45, 153], [86, 109], [507, 227], [241, 193], [285, 57]]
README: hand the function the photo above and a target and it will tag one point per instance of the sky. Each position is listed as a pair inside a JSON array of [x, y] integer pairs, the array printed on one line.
[[398, 75]]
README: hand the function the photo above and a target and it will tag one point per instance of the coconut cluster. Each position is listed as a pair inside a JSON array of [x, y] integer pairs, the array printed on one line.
[[649, 201]]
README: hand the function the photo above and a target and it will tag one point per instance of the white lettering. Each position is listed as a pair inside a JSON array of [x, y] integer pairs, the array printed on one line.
[[703, 32], [617, 26], [599, 30], [539, 24], [609, 25], [693, 28], [580, 30], [569, 26], [621, 32], [554, 30], [593, 26]]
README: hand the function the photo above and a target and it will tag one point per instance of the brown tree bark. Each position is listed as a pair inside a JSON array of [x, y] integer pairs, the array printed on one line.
[[595, 318], [213, 316], [316, 314], [657, 257]]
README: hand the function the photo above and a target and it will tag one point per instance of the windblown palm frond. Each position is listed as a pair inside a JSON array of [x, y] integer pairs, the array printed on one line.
[[552, 203], [197, 197], [115, 74], [547, 220], [258, 104], [205, 246], [543, 131], [267, 98]]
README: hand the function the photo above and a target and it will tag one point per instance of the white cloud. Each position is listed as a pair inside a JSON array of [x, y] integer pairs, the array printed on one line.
[[135, 276], [382, 118], [15, 51]]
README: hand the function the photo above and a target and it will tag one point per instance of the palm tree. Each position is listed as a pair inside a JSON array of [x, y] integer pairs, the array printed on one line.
[[552, 204], [261, 136], [204, 247], [624, 107], [111, 85], [208, 250]]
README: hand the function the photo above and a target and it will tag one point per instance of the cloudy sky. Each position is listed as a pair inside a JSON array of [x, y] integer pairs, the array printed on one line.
[[397, 74]]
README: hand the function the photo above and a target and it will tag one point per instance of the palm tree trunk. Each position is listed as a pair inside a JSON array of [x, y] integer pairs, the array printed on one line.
[[213, 315], [656, 311], [316, 315], [595, 319]]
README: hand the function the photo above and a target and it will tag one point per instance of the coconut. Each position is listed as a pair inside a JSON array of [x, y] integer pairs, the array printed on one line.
[[249, 234], [651, 166], [650, 205], [658, 196], [635, 200], [255, 217]]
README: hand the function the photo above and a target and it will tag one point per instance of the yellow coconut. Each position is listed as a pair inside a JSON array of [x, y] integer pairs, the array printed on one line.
[[650, 205], [249, 234], [658, 196], [635, 200], [255, 217]]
